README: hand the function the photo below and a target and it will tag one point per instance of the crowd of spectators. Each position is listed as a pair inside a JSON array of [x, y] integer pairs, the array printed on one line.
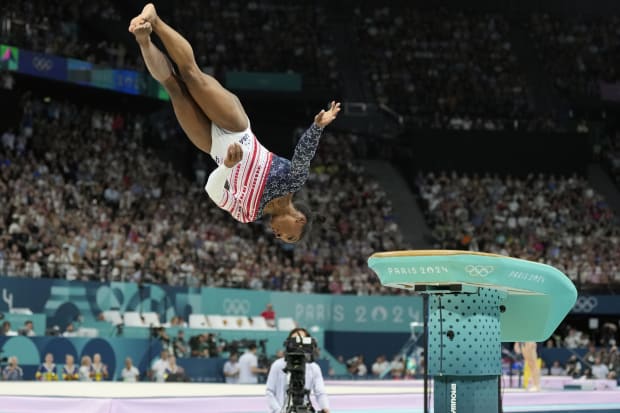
[[437, 68], [400, 367], [65, 28], [444, 69], [610, 155], [225, 35], [84, 199], [260, 37], [577, 52], [560, 221], [597, 363]]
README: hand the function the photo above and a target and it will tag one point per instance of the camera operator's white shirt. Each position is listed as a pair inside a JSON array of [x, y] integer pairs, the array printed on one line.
[[277, 385]]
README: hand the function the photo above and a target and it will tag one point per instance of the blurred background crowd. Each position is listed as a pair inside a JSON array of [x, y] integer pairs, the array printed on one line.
[[89, 190]]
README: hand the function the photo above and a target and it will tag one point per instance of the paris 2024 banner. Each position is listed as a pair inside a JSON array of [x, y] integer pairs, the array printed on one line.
[[64, 301]]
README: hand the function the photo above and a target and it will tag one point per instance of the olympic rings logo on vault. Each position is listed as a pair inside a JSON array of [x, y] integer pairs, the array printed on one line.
[[479, 270]]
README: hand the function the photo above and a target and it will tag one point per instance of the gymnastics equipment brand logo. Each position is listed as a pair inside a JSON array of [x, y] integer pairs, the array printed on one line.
[[479, 270], [453, 398], [234, 306], [585, 304]]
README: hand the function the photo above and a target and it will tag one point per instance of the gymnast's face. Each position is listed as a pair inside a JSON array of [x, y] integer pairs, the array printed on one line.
[[288, 227]]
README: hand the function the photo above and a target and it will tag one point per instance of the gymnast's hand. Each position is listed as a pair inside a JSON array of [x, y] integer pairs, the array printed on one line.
[[233, 155], [324, 118]]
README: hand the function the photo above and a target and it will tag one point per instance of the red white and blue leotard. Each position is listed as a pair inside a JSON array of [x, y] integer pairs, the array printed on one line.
[[260, 176]]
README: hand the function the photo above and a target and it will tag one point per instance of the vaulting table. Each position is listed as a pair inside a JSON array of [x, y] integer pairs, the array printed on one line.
[[473, 302]]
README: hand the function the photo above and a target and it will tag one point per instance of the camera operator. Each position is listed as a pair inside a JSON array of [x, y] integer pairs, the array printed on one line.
[[278, 380]]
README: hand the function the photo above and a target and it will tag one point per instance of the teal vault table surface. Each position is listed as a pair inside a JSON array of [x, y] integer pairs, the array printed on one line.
[[538, 296]]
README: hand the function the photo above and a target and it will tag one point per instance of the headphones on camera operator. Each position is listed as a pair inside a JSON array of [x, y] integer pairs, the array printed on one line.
[[299, 348]]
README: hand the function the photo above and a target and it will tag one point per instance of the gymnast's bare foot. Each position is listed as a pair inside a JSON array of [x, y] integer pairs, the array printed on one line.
[[142, 31], [149, 14]]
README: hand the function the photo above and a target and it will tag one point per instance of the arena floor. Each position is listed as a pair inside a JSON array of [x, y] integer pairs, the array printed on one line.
[[350, 397]]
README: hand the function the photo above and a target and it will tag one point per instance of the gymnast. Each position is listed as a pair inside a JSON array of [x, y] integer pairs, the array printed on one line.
[[249, 181], [530, 355]]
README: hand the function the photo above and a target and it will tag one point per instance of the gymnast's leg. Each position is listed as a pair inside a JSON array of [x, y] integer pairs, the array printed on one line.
[[220, 105], [531, 358], [191, 118]]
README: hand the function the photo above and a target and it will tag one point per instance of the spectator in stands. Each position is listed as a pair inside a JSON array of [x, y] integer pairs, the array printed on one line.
[[86, 369], [70, 331], [356, 366], [591, 355], [7, 81], [573, 367], [28, 329], [99, 370], [176, 321], [181, 348], [161, 334], [587, 374], [573, 339], [277, 381], [556, 369], [599, 369], [608, 335], [421, 365], [269, 315], [231, 369], [199, 346], [217, 124], [614, 363], [159, 366], [12, 371], [174, 372], [70, 372], [380, 366], [411, 366], [47, 370], [362, 370], [397, 367], [248, 366], [130, 373], [6, 329], [214, 347]]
